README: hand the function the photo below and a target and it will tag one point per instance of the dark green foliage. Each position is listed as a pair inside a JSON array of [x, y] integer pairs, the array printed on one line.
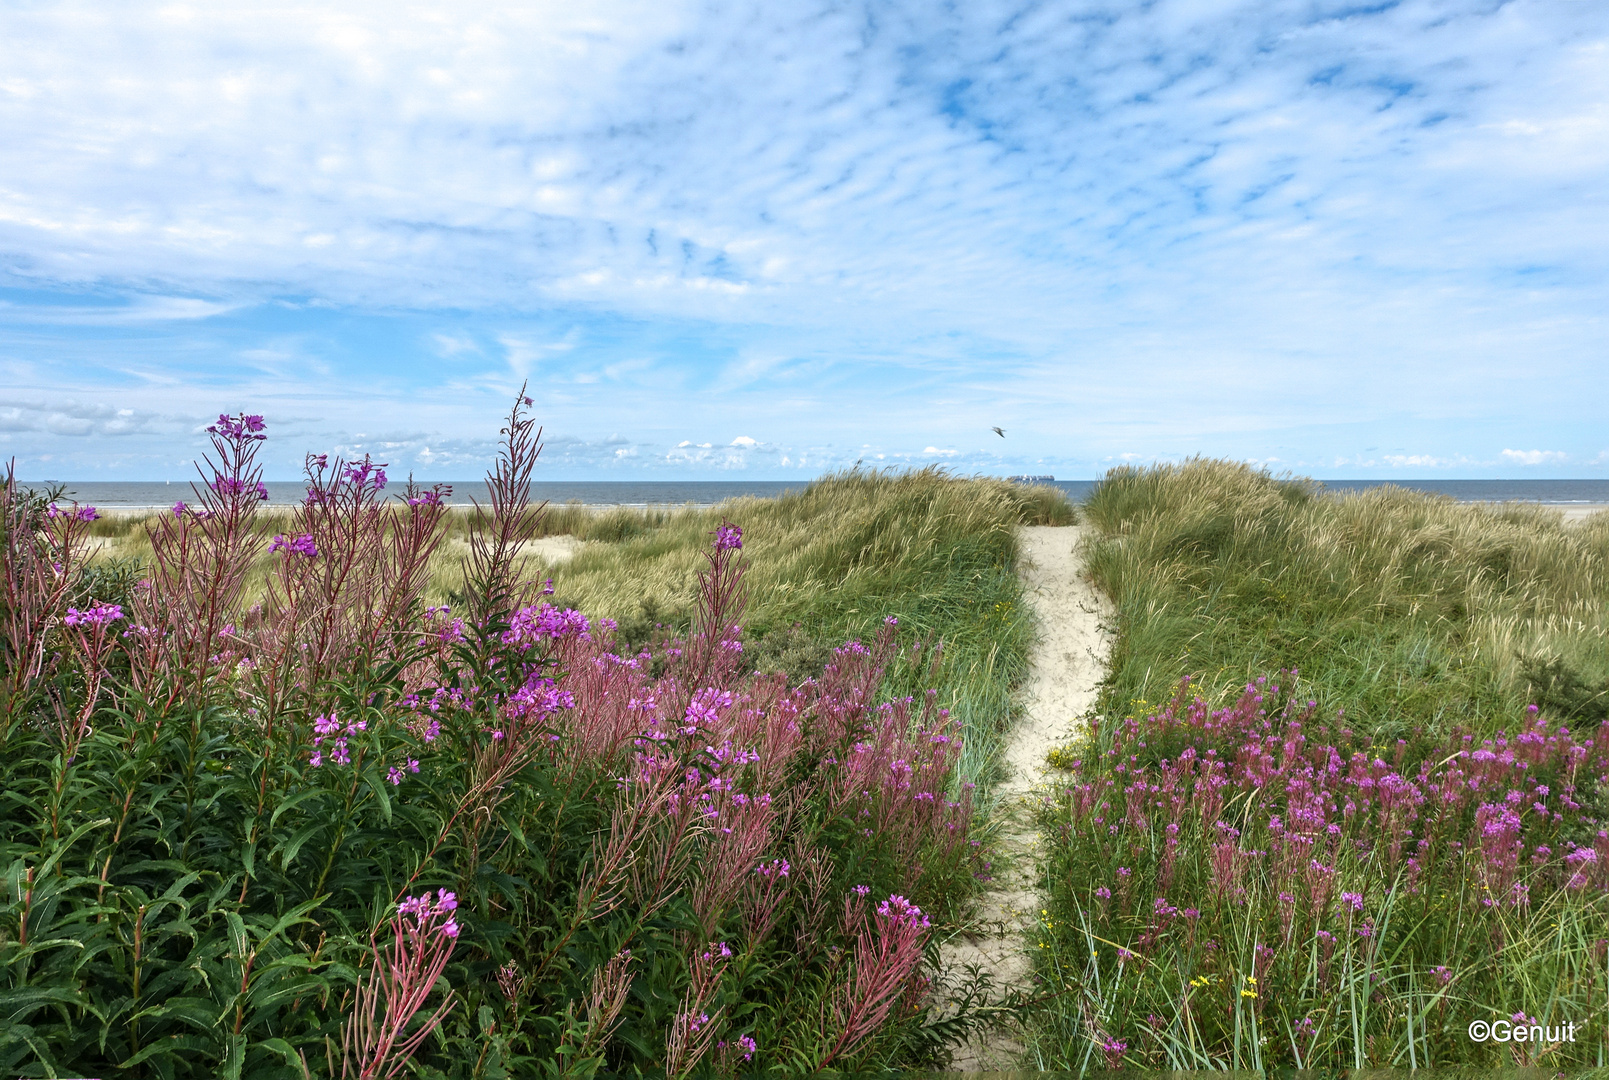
[[1563, 690]]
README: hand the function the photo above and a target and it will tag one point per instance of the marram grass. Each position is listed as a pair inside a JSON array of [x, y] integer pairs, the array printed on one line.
[[1406, 609]]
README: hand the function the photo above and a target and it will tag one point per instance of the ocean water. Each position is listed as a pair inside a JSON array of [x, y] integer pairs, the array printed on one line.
[[708, 492], [116, 494]]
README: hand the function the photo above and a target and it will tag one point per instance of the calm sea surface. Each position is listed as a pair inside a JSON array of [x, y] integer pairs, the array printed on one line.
[[708, 492]]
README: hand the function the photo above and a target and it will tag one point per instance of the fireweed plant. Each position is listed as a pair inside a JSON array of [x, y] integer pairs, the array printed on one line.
[[1346, 867], [825, 564], [1258, 886], [341, 831]]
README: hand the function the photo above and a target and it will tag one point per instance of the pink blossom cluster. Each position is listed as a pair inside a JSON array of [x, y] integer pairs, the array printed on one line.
[[543, 622], [423, 916], [364, 475], [241, 428], [442, 627], [329, 727], [297, 545], [430, 497], [96, 616]]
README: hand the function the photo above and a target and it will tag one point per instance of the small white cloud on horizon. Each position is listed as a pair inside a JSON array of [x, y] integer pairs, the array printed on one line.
[[1534, 457], [745, 441], [940, 453], [1416, 461], [72, 419]]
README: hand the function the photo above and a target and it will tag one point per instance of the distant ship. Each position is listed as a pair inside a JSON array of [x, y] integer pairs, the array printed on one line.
[[1031, 479]]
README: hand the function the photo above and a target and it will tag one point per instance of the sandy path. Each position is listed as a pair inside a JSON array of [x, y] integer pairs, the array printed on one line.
[[1068, 662]]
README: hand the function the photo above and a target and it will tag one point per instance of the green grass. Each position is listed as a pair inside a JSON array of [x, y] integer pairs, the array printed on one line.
[[1405, 609]]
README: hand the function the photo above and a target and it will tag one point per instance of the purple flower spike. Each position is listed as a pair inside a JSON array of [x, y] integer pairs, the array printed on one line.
[[301, 545], [239, 428], [97, 616], [728, 537]]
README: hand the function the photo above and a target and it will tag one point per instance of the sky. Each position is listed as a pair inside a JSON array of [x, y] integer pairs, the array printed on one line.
[[769, 239]]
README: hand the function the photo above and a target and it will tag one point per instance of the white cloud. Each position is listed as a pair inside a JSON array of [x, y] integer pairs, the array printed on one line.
[[933, 450], [73, 419], [523, 354], [1415, 461], [1534, 457], [745, 441], [449, 345]]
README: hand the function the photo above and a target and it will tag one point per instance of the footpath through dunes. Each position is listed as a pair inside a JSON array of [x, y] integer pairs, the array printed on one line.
[[1067, 665]]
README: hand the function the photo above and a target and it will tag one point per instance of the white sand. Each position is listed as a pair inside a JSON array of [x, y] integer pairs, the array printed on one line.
[[1068, 662], [553, 550]]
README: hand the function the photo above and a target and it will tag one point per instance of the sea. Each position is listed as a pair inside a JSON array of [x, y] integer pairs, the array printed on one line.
[[640, 493]]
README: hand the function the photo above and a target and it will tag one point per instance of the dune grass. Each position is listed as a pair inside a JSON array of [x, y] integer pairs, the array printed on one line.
[[826, 564], [1345, 867], [1408, 610]]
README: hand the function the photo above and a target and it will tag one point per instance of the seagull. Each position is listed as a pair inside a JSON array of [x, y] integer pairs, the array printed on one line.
[[998, 432]]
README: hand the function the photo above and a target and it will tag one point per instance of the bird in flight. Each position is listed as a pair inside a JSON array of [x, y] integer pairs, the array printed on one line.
[[998, 432]]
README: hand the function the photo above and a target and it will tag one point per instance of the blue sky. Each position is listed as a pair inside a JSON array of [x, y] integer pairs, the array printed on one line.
[[769, 239]]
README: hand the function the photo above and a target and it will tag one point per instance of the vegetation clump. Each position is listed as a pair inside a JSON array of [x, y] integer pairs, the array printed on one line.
[[272, 809], [1348, 865]]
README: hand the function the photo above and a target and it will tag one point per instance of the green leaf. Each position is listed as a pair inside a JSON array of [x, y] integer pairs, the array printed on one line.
[[377, 784], [239, 939], [234, 1057], [190, 1045], [284, 1050], [293, 802], [287, 850], [49, 864]]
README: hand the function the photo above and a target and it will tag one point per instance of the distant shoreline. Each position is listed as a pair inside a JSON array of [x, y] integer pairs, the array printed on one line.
[[1573, 511], [1578, 498]]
